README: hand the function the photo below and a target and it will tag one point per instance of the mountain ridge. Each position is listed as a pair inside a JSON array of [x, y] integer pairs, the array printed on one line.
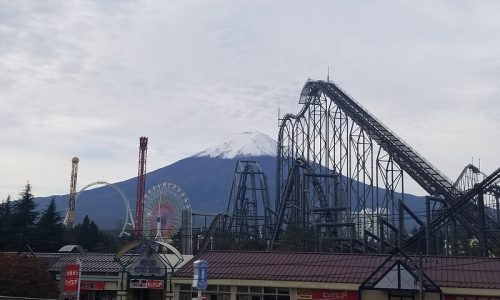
[[205, 177]]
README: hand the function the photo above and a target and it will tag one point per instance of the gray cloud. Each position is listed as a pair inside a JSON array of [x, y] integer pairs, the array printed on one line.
[[88, 78]]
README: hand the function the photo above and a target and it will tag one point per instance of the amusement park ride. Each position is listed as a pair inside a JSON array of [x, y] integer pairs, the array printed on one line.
[[159, 212], [339, 187]]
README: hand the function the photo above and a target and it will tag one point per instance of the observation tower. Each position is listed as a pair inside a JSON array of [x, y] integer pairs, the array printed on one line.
[[70, 214]]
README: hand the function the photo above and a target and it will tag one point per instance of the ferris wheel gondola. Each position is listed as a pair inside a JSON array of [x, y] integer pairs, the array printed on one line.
[[163, 211]]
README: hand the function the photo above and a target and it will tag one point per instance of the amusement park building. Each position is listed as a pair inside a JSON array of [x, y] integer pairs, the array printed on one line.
[[103, 277], [255, 275], [247, 275]]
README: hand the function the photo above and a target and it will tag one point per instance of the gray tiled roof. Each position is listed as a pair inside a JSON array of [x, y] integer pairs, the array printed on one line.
[[97, 262], [91, 262]]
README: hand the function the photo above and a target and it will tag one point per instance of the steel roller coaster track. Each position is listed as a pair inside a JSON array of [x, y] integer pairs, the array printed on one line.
[[357, 154]]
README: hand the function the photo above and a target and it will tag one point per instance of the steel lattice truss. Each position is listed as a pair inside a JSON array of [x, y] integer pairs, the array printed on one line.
[[472, 176], [248, 191], [340, 175]]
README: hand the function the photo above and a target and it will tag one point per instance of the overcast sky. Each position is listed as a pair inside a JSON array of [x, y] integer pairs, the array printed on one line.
[[88, 78]]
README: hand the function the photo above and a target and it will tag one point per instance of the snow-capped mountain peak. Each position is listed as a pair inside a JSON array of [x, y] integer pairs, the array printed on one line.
[[242, 145]]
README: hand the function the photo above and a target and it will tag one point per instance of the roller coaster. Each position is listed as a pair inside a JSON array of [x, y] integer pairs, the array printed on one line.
[[340, 187]]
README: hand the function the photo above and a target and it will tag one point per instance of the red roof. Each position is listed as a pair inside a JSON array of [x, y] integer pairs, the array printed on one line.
[[471, 272], [464, 272]]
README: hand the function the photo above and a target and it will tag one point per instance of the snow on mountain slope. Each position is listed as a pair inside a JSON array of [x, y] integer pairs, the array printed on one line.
[[242, 145]]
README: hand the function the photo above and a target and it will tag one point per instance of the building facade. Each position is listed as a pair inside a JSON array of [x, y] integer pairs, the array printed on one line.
[[254, 275], [250, 275]]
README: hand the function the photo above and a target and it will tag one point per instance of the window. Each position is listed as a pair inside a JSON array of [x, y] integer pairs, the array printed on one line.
[[213, 292], [224, 288], [262, 293]]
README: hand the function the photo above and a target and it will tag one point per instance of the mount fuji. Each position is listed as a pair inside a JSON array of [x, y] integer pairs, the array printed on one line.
[[205, 177], [246, 144]]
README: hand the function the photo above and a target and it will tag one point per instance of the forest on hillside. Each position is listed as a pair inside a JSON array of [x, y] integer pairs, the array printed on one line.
[[24, 228]]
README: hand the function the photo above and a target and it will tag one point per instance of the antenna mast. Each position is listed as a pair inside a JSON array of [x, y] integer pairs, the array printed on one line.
[[141, 182]]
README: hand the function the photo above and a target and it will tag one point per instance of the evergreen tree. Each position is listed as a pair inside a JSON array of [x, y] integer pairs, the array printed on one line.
[[50, 229], [88, 234], [5, 224], [24, 219], [108, 243], [82, 233], [94, 235]]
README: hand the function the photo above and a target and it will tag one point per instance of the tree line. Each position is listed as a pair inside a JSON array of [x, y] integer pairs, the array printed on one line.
[[23, 228]]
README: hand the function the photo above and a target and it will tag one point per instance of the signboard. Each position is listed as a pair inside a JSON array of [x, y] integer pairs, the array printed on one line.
[[464, 297], [146, 284], [72, 275], [91, 285], [200, 279], [306, 294], [147, 266]]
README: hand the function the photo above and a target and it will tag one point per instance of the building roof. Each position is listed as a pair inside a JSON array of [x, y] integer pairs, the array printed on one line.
[[100, 262], [90, 262], [463, 272], [466, 272]]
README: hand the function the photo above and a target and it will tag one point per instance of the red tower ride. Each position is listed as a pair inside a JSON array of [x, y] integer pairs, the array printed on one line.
[[141, 182]]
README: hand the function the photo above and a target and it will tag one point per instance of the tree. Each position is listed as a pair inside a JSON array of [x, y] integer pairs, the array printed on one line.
[[107, 243], [5, 223], [298, 239], [87, 234], [94, 236], [50, 229], [24, 219], [26, 277]]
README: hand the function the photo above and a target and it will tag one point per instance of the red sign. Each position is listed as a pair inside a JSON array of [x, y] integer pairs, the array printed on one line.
[[146, 284], [155, 284], [72, 273], [463, 297], [334, 295], [90, 285]]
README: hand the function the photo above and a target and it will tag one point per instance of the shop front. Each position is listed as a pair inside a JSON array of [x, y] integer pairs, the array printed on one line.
[[141, 271], [242, 292], [307, 294], [143, 288], [97, 290], [252, 275]]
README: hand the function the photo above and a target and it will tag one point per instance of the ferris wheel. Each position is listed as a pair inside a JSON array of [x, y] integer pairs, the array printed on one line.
[[163, 211]]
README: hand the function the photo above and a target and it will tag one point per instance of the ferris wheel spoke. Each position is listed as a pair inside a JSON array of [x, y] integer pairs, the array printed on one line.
[[163, 211]]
